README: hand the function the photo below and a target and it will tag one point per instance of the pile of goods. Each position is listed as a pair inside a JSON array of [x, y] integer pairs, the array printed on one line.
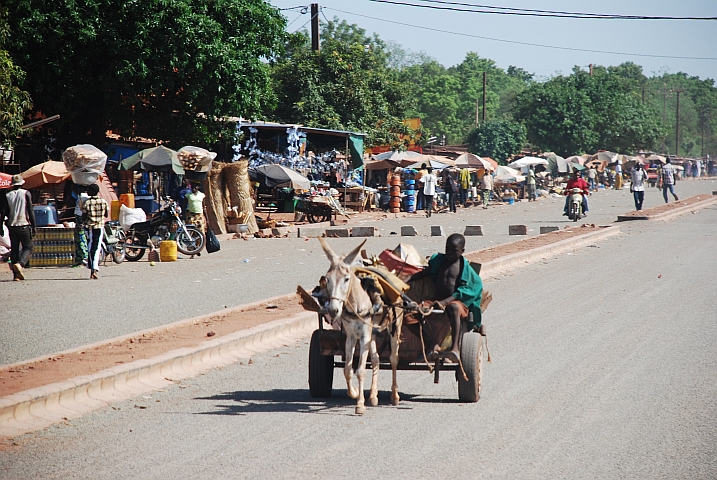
[[85, 163], [196, 162]]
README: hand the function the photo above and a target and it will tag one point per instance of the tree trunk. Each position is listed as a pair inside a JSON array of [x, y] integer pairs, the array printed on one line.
[[214, 191]]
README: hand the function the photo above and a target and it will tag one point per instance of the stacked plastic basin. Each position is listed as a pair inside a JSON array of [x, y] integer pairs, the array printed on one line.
[[395, 192], [409, 199]]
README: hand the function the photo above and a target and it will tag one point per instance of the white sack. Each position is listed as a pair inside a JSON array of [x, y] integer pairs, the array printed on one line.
[[130, 216]]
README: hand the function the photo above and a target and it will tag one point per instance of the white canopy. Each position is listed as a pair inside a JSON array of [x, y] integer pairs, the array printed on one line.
[[528, 161], [508, 175]]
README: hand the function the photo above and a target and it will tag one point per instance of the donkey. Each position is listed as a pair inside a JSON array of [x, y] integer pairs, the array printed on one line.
[[353, 306]]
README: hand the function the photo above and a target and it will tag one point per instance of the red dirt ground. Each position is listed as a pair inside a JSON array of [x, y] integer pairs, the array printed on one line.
[[667, 207]]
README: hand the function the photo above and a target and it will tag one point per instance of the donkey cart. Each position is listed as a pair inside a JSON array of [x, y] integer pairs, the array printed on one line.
[[416, 352]]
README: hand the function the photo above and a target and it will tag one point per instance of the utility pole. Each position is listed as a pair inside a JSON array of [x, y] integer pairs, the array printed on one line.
[[677, 126], [315, 27], [485, 85], [591, 69], [477, 113]]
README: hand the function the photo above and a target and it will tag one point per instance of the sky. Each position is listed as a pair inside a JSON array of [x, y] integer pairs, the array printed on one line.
[[627, 38]]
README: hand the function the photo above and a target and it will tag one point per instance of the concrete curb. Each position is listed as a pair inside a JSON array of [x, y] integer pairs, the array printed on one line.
[[669, 215], [510, 262], [42, 406]]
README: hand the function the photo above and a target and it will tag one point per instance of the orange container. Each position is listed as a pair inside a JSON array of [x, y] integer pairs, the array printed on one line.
[[127, 199], [395, 210], [396, 191], [115, 210], [395, 202], [395, 181]]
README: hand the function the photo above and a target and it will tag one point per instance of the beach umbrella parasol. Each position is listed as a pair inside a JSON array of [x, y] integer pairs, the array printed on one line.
[[579, 159], [434, 164], [528, 161], [469, 160], [155, 159], [5, 180], [47, 173], [275, 175], [397, 156]]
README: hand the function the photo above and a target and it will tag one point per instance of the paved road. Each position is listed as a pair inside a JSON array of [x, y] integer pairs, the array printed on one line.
[[605, 366], [57, 309]]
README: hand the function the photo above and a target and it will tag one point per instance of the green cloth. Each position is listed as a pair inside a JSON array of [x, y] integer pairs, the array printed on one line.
[[470, 286], [194, 202], [356, 149]]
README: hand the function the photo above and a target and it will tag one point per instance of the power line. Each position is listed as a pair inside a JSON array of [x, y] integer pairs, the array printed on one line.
[[518, 42], [528, 13], [533, 14]]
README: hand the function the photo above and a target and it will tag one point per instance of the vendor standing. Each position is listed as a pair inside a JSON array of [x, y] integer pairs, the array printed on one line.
[[195, 208], [21, 225], [80, 193]]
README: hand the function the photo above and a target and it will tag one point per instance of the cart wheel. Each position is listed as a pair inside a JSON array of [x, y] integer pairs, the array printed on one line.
[[321, 369], [472, 358]]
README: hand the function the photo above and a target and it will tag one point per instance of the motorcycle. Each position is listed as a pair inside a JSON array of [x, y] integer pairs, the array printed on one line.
[[190, 239], [113, 242], [575, 204]]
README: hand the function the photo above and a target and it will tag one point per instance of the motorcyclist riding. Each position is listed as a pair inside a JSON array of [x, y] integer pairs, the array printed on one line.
[[576, 182]]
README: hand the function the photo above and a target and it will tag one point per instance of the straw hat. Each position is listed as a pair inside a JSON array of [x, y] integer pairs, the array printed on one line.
[[17, 180]]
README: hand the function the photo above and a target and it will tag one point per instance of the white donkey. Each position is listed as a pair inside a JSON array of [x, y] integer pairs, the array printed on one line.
[[350, 302]]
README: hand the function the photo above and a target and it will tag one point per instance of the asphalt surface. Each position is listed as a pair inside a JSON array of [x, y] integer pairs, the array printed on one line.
[[59, 308], [604, 366]]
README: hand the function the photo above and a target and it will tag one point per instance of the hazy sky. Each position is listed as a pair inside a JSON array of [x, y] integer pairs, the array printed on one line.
[[678, 38]]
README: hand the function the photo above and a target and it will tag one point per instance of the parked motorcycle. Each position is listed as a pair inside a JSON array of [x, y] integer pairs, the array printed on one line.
[[190, 239], [575, 205], [113, 242]]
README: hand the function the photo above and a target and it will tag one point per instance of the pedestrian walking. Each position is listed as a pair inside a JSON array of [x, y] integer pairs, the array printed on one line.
[[486, 185], [668, 180], [530, 184], [638, 177], [94, 211], [429, 182], [450, 186], [420, 200], [195, 208], [21, 226]]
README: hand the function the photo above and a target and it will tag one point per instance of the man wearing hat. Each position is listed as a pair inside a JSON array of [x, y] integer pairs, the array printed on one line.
[[21, 224]]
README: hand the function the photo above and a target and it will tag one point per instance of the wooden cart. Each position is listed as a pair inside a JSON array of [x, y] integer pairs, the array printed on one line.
[[326, 345]]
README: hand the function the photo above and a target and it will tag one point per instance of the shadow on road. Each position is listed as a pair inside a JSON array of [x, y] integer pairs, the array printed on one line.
[[299, 401]]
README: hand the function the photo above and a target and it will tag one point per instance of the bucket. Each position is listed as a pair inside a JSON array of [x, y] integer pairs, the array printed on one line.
[[395, 202], [511, 201], [395, 210], [168, 251], [395, 181], [115, 209], [127, 199], [410, 182], [395, 191]]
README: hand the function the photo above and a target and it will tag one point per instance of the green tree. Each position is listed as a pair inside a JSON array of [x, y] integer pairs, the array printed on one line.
[[164, 69], [14, 101], [498, 140], [348, 85], [583, 113], [446, 98]]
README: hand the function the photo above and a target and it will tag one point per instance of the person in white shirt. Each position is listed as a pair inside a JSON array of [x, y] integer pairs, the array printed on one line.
[[638, 177], [429, 182]]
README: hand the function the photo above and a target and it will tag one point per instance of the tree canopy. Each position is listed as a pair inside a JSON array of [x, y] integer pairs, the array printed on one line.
[[163, 69], [583, 113], [14, 101], [347, 85], [498, 139]]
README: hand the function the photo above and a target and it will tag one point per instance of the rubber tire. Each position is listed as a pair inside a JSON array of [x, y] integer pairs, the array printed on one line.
[[472, 358], [118, 250], [321, 369], [133, 254], [192, 230]]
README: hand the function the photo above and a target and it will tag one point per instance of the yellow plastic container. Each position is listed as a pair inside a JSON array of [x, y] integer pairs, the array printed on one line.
[[127, 199], [115, 210], [168, 251]]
